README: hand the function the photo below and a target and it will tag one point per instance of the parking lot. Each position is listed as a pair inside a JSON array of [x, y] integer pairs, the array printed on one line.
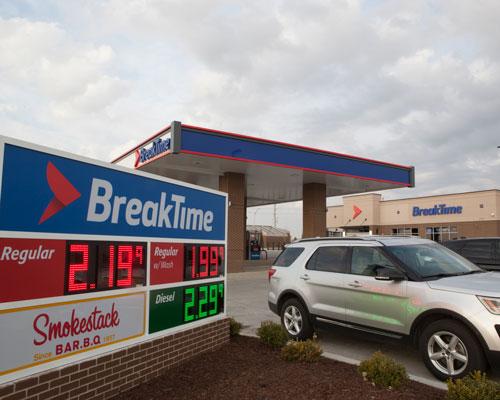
[[247, 303]]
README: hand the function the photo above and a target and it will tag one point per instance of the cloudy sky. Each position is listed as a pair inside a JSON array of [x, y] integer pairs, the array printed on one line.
[[411, 82]]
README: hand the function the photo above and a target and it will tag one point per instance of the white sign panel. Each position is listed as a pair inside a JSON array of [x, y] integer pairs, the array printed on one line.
[[37, 334]]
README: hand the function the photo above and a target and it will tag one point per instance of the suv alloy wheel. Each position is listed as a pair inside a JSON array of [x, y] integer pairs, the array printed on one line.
[[296, 320], [450, 350]]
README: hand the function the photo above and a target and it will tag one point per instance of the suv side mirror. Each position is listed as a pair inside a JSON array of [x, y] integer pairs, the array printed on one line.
[[389, 274]]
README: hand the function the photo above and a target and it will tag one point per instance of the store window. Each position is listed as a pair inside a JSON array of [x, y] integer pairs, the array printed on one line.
[[405, 231], [441, 233], [433, 233]]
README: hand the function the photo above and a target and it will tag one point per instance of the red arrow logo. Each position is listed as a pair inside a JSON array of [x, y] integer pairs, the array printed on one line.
[[137, 158], [356, 212], [64, 192]]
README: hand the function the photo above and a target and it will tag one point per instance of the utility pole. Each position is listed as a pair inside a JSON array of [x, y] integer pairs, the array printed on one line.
[[274, 215]]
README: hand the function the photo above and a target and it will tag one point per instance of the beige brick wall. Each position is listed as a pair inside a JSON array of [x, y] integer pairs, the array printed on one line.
[[464, 229], [108, 375]]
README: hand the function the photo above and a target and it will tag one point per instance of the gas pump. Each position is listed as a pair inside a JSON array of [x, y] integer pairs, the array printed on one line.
[[254, 245]]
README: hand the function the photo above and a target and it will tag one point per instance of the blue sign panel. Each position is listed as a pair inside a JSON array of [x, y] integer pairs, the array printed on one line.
[[42, 192], [239, 149]]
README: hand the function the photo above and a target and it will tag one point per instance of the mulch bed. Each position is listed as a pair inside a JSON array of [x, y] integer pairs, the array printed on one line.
[[247, 369]]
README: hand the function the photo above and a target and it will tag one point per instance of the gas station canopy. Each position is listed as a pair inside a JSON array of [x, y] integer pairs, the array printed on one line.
[[275, 172]]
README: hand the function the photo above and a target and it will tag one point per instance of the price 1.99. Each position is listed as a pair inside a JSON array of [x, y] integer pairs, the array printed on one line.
[[203, 301], [203, 261]]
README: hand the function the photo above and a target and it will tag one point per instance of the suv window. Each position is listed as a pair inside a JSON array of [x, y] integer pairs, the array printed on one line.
[[329, 259], [366, 261], [478, 251], [288, 256]]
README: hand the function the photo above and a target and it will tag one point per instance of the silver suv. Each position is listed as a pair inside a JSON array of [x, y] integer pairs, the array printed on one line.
[[393, 286]]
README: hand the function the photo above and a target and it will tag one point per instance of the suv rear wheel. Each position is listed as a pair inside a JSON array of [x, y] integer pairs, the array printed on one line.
[[450, 350], [296, 320]]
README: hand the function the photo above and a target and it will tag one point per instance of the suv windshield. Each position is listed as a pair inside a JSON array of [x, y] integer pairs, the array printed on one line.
[[432, 260]]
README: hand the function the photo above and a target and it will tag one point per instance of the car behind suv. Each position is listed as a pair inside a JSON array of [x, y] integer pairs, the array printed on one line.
[[393, 286], [484, 252]]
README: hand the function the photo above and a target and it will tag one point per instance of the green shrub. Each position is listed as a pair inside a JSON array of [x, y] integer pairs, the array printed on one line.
[[234, 327], [383, 371], [308, 351], [272, 334], [473, 387]]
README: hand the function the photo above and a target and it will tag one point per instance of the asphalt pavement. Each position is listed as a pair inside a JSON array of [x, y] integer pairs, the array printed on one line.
[[247, 303]]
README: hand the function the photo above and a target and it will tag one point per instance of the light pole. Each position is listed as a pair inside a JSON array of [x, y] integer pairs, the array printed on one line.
[[255, 214]]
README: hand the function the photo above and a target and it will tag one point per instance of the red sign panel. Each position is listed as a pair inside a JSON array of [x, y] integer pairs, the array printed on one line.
[[31, 269], [166, 263]]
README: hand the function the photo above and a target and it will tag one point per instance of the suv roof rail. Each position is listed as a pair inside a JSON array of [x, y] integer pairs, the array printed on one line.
[[328, 238], [375, 237], [366, 237]]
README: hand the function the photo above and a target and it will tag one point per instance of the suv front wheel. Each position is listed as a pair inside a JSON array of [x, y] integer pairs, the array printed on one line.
[[296, 320], [450, 350]]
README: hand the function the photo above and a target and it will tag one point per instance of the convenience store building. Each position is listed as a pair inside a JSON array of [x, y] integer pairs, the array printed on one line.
[[440, 218]]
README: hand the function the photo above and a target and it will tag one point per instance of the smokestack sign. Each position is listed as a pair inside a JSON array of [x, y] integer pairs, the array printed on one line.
[[54, 331]]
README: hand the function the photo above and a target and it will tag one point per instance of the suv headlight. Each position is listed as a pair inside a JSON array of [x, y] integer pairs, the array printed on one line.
[[491, 303]]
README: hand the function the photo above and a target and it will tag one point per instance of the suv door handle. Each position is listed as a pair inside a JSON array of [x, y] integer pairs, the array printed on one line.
[[355, 284], [305, 277]]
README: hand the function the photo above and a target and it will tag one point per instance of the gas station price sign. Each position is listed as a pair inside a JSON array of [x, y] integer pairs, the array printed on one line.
[[88, 250]]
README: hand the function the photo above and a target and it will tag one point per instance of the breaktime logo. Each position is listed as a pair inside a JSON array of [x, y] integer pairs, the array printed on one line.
[[105, 206], [159, 146], [438, 209]]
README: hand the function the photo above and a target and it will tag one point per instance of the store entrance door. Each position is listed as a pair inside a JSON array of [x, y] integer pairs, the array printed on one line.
[[433, 233]]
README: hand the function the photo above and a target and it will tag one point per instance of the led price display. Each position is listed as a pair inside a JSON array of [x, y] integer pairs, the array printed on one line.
[[93, 266], [203, 261], [203, 301]]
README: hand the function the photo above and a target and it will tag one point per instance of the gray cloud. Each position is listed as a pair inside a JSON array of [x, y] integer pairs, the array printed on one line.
[[407, 82]]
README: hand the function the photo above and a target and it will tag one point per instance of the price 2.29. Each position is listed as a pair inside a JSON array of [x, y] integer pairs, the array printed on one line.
[[203, 301]]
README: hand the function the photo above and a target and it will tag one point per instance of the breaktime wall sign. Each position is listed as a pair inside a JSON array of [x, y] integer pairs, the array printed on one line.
[[95, 257]]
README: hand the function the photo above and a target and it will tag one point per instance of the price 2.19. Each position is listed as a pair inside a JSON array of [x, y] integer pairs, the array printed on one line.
[[103, 266]]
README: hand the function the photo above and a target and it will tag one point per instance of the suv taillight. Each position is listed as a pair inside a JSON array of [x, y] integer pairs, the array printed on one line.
[[270, 272]]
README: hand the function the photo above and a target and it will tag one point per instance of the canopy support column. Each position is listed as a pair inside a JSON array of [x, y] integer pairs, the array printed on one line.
[[235, 186], [314, 210]]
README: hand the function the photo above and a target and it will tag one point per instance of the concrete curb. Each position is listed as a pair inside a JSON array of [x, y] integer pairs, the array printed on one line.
[[353, 361], [416, 378]]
